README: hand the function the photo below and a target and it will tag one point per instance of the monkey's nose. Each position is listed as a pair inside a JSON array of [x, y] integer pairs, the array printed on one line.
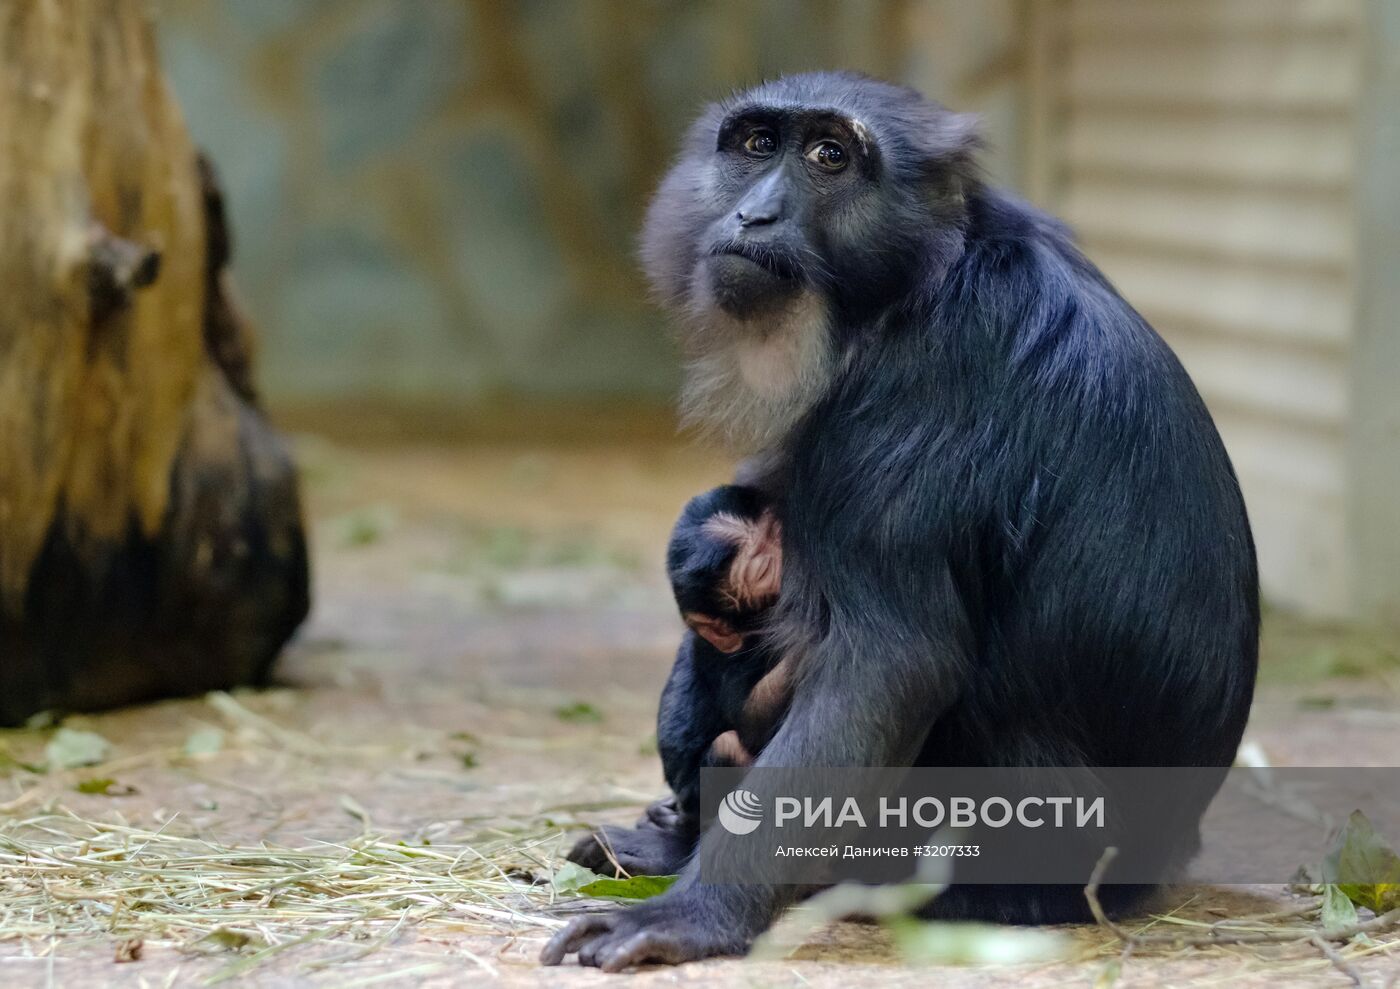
[[756, 218]]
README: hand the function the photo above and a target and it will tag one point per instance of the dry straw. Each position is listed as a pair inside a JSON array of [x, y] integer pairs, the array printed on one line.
[[64, 876]]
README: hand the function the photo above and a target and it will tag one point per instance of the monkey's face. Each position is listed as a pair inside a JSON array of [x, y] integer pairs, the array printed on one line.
[[796, 211], [768, 205], [784, 178]]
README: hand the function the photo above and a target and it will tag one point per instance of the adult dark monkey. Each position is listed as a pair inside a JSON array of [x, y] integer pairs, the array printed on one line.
[[1010, 533]]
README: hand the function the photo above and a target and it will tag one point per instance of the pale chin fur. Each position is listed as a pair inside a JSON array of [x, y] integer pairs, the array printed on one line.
[[748, 382]]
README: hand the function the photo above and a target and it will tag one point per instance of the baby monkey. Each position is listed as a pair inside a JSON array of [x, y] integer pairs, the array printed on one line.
[[725, 565], [727, 691]]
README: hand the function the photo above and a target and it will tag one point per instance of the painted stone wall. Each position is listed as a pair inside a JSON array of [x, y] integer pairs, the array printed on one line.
[[440, 198]]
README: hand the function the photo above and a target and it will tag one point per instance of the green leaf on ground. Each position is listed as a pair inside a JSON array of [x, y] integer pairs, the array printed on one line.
[[226, 939], [365, 526], [205, 741], [70, 748], [632, 888], [105, 786], [579, 712], [942, 943], [1363, 866], [506, 547], [1338, 911], [571, 877]]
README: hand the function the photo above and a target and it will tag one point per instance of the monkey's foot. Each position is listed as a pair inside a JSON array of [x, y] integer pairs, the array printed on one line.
[[667, 815], [655, 932], [647, 850]]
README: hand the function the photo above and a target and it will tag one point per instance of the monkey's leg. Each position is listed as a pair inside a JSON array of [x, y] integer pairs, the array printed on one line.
[[690, 717]]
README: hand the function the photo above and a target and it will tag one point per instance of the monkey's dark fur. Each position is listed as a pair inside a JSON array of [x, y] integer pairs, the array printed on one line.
[[1011, 535]]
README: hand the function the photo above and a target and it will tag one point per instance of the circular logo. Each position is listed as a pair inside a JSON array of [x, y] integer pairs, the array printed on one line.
[[740, 812]]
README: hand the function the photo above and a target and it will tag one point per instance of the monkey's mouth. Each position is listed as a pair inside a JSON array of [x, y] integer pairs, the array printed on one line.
[[749, 281], [773, 259]]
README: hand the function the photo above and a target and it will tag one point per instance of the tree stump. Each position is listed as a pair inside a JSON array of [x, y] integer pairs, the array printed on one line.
[[150, 525]]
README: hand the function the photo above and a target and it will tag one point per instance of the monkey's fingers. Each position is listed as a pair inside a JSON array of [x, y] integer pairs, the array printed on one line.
[[716, 631], [639, 949], [593, 851], [727, 749], [665, 814], [770, 695], [579, 931]]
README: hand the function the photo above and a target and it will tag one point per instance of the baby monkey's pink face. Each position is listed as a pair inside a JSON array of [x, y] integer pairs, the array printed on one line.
[[755, 575]]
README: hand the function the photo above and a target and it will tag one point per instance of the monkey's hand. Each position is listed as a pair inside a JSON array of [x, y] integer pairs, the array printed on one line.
[[716, 631], [668, 815], [674, 928], [729, 750], [660, 844]]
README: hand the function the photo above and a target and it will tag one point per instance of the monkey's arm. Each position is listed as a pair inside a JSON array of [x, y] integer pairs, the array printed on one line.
[[868, 691], [688, 721]]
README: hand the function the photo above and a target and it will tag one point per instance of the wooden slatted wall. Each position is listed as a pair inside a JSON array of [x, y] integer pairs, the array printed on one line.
[[1203, 150]]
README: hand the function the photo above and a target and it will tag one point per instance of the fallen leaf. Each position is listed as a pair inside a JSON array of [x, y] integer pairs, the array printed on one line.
[[571, 877], [70, 748], [942, 943], [1338, 912], [580, 712], [1364, 866], [632, 888], [365, 526], [225, 939], [205, 741]]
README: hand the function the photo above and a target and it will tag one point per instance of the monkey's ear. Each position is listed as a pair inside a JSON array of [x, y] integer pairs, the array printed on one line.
[[950, 157], [957, 138]]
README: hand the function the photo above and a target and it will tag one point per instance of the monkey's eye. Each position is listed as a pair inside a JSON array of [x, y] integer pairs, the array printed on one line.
[[827, 155], [761, 142]]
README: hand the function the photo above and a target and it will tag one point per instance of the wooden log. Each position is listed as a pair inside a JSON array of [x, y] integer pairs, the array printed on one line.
[[150, 526]]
